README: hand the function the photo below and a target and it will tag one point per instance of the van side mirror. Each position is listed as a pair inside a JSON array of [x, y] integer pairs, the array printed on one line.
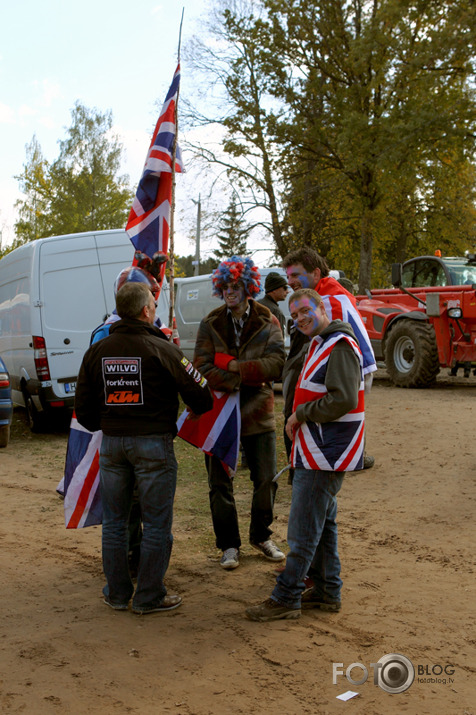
[[397, 274]]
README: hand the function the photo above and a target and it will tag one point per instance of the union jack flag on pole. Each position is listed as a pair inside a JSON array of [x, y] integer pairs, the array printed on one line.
[[149, 220]]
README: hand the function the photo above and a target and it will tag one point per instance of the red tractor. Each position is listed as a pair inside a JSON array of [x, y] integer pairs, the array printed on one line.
[[427, 321]]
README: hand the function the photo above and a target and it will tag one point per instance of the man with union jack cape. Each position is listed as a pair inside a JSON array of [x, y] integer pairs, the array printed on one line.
[[305, 268], [327, 432]]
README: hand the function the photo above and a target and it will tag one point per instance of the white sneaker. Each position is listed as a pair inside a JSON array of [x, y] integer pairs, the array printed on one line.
[[269, 550], [230, 559]]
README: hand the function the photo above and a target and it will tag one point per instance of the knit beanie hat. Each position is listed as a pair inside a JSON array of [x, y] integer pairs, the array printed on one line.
[[273, 281]]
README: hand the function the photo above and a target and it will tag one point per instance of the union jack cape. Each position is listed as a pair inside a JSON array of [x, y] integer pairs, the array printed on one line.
[[149, 220], [216, 432], [82, 500], [331, 446], [341, 305]]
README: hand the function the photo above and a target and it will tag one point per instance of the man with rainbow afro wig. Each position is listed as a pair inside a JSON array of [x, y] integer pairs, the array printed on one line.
[[236, 269], [240, 348]]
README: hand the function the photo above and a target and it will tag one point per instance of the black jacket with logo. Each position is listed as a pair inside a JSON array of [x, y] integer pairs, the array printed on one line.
[[130, 381]]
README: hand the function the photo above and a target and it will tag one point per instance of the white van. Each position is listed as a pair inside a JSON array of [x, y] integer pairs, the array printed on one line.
[[194, 300], [53, 293]]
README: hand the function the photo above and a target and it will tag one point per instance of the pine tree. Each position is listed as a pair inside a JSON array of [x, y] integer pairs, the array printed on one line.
[[35, 183], [233, 233]]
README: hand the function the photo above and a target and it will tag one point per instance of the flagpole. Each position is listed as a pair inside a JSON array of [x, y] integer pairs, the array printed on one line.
[[172, 207]]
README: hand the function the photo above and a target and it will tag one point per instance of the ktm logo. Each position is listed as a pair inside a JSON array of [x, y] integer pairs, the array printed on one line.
[[119, 398]]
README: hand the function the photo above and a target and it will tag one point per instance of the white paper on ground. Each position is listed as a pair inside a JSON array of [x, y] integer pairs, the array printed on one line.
[[347, 696]]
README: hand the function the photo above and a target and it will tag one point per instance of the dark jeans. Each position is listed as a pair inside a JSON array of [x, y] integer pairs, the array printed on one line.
[[151, 461], [288, 443], [135, 533], [312, 538], [260, 452]]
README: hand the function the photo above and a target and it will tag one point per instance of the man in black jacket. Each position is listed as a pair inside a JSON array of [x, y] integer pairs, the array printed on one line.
[[128, 387], [276, 289]]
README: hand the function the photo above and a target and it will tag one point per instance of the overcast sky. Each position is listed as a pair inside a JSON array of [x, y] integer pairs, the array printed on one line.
[[109, 54]]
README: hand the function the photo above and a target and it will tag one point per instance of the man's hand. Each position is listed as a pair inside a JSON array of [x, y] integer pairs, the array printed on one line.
[[234, 366], [291, 425]]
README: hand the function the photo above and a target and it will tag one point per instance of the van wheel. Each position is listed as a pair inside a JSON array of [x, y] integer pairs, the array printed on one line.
[[4, 435], [35, 419]]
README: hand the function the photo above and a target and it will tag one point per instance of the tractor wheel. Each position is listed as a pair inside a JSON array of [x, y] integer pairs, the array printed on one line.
[[411, 355]]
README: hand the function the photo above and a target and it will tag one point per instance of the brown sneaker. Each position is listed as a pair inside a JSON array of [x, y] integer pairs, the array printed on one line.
[[271, 610], [368, 461], [310, 600]]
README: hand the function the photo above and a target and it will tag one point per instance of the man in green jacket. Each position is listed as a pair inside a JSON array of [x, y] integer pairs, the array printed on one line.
[[326, 428]]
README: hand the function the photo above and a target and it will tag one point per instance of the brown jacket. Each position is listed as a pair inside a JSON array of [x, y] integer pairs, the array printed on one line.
[[261, 358]]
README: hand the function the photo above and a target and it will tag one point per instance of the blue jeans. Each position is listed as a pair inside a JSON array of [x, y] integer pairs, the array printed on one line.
[[312, 538], [260, 452], [149, 460]]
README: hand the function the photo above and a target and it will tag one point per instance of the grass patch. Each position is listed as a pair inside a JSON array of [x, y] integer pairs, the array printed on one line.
[[192, 518]]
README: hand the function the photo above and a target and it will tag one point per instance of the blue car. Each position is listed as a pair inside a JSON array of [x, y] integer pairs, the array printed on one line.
[[6, 405]]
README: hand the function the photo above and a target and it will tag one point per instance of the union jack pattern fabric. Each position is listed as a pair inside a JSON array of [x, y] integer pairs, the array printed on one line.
[[149, 220], [82, 500], [342, 306], [216, 432], [335, 446]]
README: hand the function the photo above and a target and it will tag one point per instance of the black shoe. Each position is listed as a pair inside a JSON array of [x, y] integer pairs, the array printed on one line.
[[168, 604], [115, 606], [368, 461], [310, 600]]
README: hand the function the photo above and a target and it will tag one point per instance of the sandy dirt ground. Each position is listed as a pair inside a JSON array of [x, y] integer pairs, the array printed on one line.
[[407, 549]]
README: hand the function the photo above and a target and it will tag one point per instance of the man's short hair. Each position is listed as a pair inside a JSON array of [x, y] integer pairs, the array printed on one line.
[[309, 292], [309, 258], [131, 298]]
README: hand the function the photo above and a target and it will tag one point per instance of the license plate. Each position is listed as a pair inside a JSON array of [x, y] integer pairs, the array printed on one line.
[[69, 387]]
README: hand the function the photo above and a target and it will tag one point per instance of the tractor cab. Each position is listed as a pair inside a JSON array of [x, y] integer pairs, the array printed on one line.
[[432, 271]]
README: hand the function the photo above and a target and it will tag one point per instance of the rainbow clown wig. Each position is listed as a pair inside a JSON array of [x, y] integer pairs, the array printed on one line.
[[236, 269]]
